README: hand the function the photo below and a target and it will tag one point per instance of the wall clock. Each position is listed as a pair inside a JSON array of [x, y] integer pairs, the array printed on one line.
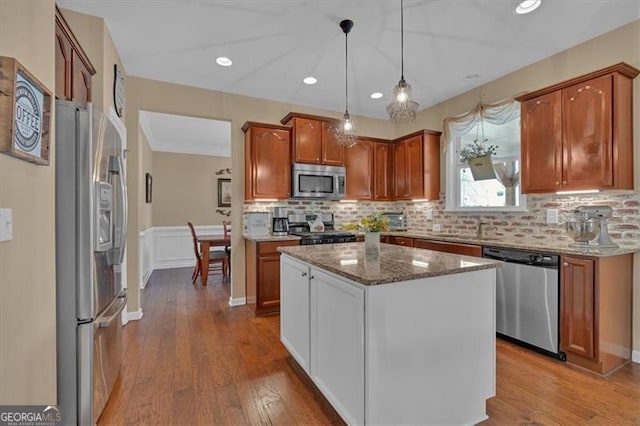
[[118, 90]]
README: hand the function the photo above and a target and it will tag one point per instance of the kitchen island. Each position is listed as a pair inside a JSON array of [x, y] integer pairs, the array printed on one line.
[[401, 336]]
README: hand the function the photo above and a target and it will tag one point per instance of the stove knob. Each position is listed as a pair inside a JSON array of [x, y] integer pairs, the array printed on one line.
[[535, 258]]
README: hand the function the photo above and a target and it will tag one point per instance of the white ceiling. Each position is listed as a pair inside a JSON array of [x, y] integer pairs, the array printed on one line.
[[186, 135], [275, 44]]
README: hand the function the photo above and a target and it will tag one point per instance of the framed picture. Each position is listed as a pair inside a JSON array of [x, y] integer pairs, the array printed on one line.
[[25, 113], [224, 192], [148, 187]]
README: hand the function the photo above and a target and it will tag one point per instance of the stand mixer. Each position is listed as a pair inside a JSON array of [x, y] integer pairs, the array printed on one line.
[[596, 214]]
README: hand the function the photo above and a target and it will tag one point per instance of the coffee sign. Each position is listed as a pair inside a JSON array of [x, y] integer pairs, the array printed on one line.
[[25, 112]]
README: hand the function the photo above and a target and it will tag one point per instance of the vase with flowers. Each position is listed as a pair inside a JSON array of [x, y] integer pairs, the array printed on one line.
[[372, 226]]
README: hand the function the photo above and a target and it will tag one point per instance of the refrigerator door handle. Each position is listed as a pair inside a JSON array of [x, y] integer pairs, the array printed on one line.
[[106, 322], [116, 166]]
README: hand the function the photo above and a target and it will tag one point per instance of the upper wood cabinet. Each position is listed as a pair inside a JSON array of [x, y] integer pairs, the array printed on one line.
[[595, 311], [359, 168], [416, 166], [267, 162], [578, 134], [382, 171], [313, 140], [73, 68]]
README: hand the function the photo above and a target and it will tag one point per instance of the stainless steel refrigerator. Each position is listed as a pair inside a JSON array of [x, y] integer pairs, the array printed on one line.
[[91, 233]]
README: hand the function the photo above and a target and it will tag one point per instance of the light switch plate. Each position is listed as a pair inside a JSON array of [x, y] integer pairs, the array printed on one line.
[[552, 216], [6, 225], [436, 227], [429, 214]]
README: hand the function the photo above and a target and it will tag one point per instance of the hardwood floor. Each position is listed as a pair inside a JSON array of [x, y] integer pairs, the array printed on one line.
[[194, 360]]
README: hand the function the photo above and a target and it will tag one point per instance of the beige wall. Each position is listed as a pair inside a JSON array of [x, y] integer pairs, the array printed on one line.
[[146, 166], [27, 263], [185, 188], [622, 45]]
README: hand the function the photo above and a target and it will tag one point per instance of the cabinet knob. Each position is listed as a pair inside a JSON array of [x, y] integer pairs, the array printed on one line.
[[304, 274], [557, 182], [564, 182], [565, 264], [312, 277]]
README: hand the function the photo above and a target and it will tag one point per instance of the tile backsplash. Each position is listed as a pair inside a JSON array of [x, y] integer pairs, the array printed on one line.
[[624, 226]]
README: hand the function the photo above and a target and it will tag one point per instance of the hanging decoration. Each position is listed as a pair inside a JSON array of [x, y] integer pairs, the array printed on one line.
[[345, 132]]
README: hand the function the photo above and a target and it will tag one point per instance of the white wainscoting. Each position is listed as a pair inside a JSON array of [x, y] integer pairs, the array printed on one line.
[[164, 247]]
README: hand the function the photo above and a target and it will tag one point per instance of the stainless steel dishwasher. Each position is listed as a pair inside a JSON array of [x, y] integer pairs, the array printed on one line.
[[527, 299]]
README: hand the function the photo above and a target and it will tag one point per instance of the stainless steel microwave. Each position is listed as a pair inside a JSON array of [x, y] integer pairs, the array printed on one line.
[[315, 181]]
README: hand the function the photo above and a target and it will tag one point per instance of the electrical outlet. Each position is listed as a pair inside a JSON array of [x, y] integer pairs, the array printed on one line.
[[552, 216], [436, 227], [429, 215], [6, 225]]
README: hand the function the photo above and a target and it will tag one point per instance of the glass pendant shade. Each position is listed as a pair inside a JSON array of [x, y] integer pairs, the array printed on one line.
[[345, 132], [403, 108]]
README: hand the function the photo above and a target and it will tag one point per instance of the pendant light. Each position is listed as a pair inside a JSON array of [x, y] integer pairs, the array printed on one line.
[[346, 133], [403, 108]]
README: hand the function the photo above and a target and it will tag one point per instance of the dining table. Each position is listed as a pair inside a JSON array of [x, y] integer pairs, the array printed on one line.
[[206, 242]]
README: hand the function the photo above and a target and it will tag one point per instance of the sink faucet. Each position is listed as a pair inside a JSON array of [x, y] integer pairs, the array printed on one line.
[[479, 228]]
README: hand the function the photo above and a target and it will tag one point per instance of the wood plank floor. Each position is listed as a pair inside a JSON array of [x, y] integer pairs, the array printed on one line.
[[194, 360]]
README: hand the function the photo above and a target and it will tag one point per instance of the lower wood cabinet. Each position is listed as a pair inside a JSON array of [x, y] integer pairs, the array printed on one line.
[[449, 247], [595, 311], [263, 275], [400, 241]]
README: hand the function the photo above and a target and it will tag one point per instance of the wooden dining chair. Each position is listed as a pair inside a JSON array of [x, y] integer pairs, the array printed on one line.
[[226, 228], [218, 259]]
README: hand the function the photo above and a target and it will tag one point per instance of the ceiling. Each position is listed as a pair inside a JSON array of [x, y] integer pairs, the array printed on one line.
[[275, 44], [186, 135]]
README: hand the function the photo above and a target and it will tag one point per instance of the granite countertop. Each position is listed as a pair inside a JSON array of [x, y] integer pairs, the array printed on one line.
[[394, 264], [557, 246], [270, 238]]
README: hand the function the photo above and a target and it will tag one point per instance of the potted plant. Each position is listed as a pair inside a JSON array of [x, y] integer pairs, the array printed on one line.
[[478, 156]]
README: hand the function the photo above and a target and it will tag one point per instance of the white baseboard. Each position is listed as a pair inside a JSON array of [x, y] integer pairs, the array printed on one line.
[[172, 246], [237, 301], [635, 356], [135, 315]]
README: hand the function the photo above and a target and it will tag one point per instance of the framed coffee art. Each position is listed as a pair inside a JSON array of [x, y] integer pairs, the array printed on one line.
[[25, 113]]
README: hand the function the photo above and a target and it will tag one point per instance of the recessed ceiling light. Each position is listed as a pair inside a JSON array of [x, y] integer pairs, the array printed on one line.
[[472, 76], [527, 6], [225, 62], [376, 95], [310, 80]]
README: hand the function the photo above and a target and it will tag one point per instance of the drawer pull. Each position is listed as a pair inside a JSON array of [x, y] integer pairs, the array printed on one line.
[[304, 274], [565, 264]]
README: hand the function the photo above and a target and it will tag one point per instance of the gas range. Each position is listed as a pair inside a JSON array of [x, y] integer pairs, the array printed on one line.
[[299, 225]]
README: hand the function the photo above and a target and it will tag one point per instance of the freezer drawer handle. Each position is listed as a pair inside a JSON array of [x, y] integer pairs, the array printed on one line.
[[106, 322]]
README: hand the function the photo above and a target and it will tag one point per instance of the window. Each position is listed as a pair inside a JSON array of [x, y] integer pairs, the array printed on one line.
[[494, 182]]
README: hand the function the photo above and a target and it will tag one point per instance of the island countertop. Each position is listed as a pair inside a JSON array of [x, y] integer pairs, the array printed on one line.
[[393, 264]]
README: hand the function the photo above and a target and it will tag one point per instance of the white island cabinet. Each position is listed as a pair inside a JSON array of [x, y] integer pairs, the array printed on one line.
[[388, 350]]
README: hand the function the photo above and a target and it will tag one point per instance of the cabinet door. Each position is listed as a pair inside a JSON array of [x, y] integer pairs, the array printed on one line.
[[80, 80], [270, 166], [431, 173], [307, 140], [381, 167], [456, 248], [577, 306], [332, 151], [294, 309], [414, 167], [541, 143], [400, 241], [337, 344], [63, 65], [588, 141], [359, 165], [400, 185], [268, 289]]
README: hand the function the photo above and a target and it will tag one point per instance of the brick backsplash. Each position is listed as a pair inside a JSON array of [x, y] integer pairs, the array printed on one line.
[[623, 226]]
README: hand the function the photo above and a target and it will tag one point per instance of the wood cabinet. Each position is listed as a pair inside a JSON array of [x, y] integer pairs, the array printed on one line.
[[314, 140], [359, 170], [382, 171], [263, 275], [72, 66], [416, 166], [595, 311], [400, 241], [267, 164], [578, 134], [449, 247]]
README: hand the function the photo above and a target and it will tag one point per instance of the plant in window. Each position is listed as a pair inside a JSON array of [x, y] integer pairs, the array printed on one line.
[[477, 149], [478, 156]]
